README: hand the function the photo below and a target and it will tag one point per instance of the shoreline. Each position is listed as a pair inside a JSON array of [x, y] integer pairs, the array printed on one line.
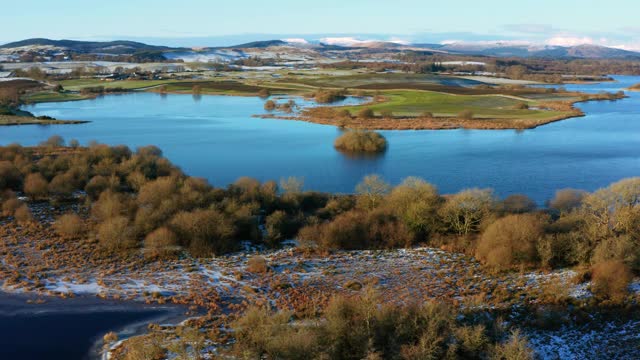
[[28, 306], [436, 123], [10, 120]]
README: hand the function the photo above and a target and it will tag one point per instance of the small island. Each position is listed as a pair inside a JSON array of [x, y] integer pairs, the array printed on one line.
[[8, 120], [360, 141], [635, 87]]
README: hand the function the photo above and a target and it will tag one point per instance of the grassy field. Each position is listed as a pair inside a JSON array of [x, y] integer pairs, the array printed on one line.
[[52, 96], [414, 103], [79, 84], [372, 80], [227, 87]]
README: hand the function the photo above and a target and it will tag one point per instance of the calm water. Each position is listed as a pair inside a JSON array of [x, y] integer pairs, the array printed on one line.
[[68, 329], [216, 137]]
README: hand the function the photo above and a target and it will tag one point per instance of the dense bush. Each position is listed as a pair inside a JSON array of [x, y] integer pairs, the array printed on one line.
[[362, 328], [35, 185], [567, 200], [116, 234], [515, 348], [518, 204], [257, 264], [23, 214], [329, 96], [161, 242], [270, 105], [361, 141], [464, 212], [69, 225], [366, 113], [611, 280], [511, 240], [204, 232]]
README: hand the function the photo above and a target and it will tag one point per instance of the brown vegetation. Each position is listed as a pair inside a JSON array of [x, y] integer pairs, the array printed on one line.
[[327, 96], [366, 120], [361, 141], [362, 328], [635, 87], [511, 240], [69, 226], [611, 280]]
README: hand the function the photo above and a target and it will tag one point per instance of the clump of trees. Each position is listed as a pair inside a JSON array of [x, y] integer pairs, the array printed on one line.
[[327, 96], [361, 327], [270, 105], [101, 90], [286, 107], [138, 199], [578, 228], [361, 141]]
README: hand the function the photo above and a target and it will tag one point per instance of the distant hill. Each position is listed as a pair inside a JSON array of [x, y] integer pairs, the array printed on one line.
[[311, 49], [120, 47], [258, 44], [507, 49]]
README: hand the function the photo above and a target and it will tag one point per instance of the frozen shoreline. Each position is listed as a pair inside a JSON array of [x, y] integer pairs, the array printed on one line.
[[72, 328]]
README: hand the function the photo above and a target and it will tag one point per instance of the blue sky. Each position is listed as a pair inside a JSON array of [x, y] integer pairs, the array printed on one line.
[[188, 22]]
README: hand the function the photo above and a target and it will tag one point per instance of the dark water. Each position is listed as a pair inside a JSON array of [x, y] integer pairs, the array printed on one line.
[[216, 137], [67, 329]]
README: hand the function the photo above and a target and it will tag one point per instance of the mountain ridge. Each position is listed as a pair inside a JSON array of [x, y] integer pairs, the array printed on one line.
[[495, 49]]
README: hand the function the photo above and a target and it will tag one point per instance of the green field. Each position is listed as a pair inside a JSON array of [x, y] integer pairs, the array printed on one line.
[[227, 87], [52, 96], [79, 84], [414, 103], [372, 79]]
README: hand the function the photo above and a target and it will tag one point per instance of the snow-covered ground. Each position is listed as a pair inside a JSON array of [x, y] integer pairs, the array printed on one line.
[[609, 340]]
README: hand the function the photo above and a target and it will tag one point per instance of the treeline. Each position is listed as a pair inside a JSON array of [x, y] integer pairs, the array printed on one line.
[[142, 56], [139, 200], [11, 91], [254, 61], [100, 90], [535, 69], [420, 67]]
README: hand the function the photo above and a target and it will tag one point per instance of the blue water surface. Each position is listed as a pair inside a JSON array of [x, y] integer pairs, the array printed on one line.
[[216, 137]]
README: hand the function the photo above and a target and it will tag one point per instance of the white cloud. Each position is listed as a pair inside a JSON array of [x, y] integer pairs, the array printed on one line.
[[628, 47], [497, 43], [296, 41], [351, 41], [570, 41], [562, 40]]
